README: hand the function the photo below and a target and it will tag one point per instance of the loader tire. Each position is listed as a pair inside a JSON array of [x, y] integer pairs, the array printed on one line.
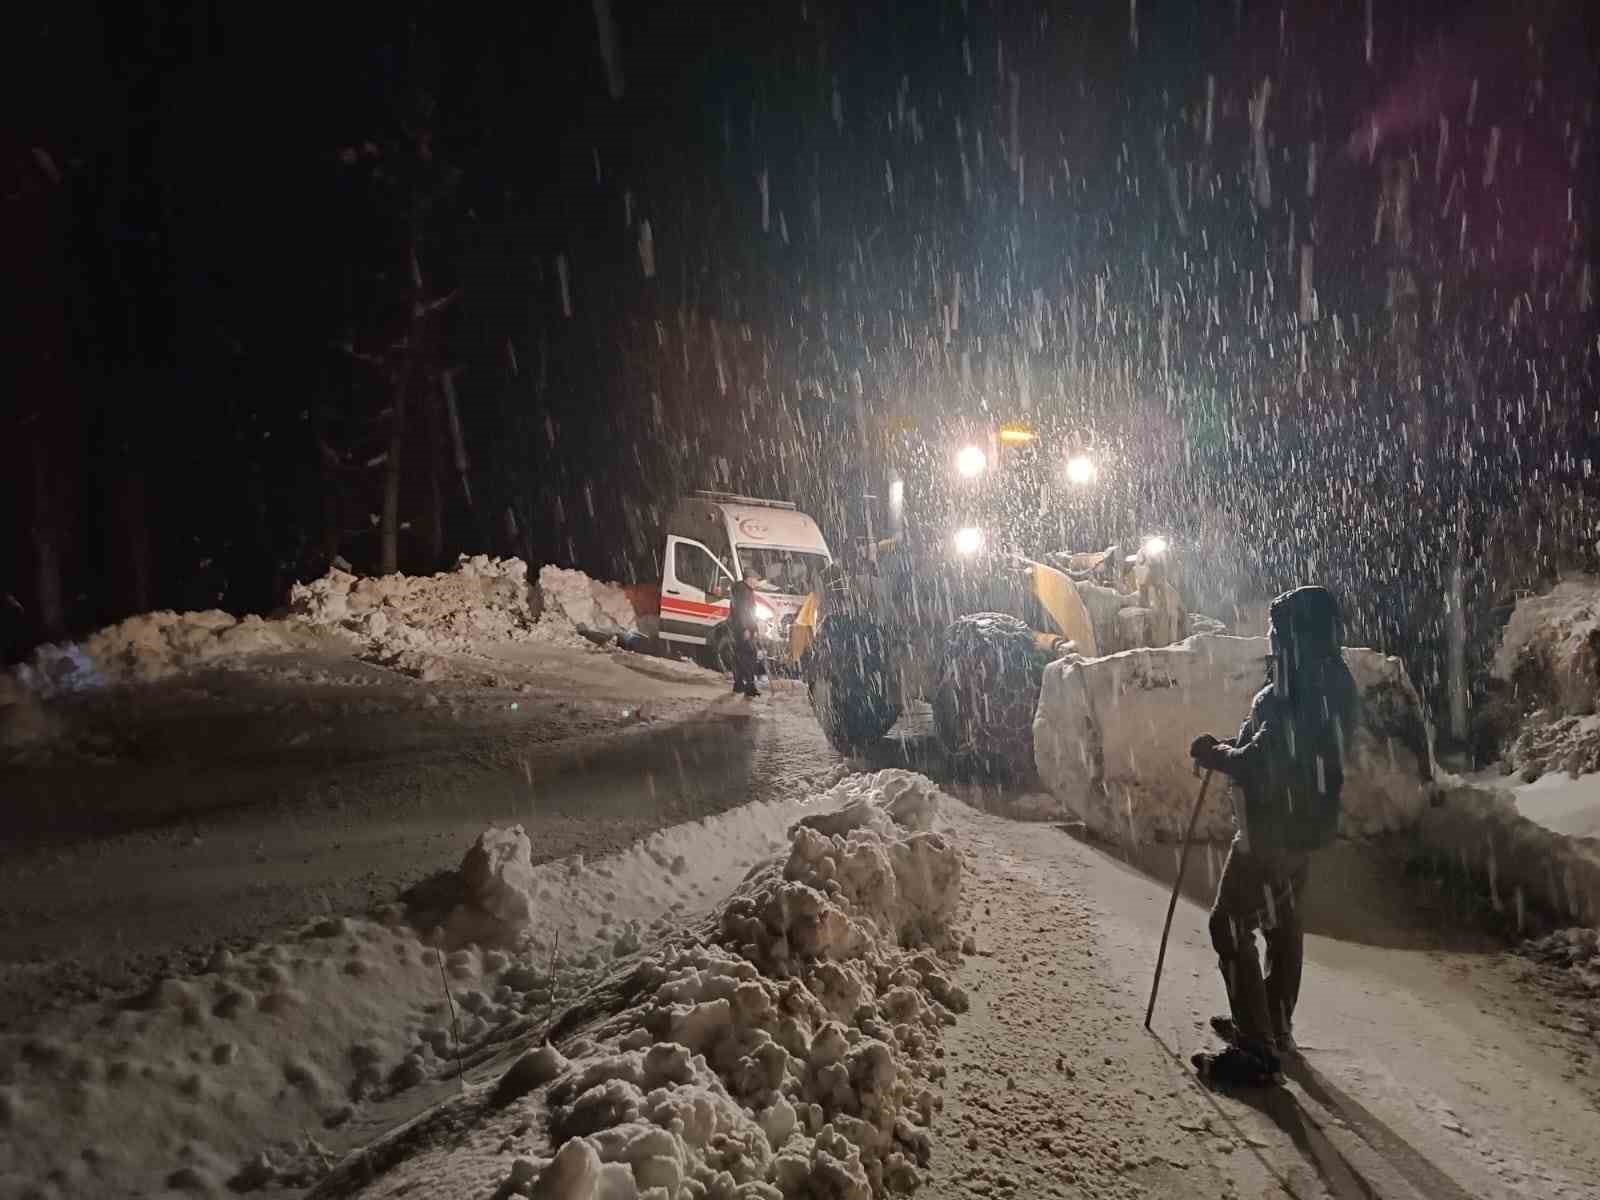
[[988, 689], [848, 674]]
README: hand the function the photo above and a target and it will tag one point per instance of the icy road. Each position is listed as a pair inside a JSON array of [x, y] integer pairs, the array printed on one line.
[[229, 805], [243, 803]]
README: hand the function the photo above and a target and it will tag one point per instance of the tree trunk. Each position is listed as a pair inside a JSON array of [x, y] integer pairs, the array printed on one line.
[[330, 520], [435, 489], [390, 555], [1457, 655], [46, 548], [389, 559], [136, 544]]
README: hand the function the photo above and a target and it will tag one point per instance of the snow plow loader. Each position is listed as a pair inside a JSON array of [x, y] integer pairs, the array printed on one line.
[[950, 611]]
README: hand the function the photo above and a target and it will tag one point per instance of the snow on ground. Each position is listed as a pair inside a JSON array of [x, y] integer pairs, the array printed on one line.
[[484, 600], [1551, 645], [403, 621], [1550, 654], [1524, 867], [788, 1049], [1427, 1068], [620, 901], [154, 646], [257, 1070], [586, 603], [1111, 738], [1569, 965], [1560, 802]]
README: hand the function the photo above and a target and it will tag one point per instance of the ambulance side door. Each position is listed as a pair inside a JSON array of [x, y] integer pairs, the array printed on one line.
[[696, 591]]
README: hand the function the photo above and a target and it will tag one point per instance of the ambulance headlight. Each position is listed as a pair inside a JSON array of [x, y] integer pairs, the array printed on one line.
[[971, 461], [969, 541]]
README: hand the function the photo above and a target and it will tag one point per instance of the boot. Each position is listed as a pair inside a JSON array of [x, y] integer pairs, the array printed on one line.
[[1222, 1025], [1238, 1067]]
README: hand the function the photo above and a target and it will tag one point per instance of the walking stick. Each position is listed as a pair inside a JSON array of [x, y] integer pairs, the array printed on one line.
[[1172, 905]]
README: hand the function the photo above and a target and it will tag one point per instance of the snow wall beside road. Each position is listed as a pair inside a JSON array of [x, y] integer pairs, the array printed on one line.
[[788, 1049], [1551, 647], [1111, 738], [1549, 655], [590, 604], [394, 619], [1520, 864]]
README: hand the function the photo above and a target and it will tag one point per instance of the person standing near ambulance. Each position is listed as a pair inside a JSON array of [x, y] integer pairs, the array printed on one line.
[[746, 624]]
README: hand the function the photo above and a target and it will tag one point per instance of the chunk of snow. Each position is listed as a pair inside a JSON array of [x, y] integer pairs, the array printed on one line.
[[1551, 645], [1111, 738], [498, 874], [588, 604]]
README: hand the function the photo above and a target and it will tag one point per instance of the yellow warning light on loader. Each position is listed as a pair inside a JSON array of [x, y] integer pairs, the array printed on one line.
[[1016, 435]]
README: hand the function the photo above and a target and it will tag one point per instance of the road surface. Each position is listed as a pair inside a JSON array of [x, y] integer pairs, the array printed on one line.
[[220, 808], [227, 806]]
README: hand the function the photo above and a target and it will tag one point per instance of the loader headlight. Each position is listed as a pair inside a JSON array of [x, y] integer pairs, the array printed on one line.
[[1081, 470], [969, 541], [971, 461], [1154, 547]]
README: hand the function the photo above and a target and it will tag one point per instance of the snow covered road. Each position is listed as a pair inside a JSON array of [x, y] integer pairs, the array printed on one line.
[[1441, 1075], [242, 803]]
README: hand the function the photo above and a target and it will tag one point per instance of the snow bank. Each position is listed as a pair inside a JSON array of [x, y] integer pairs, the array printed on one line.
[[788, 1050], [254, 1072], [1577, 950], [1551, 647], [1479, 832], [1568, 804], [483, 601], [404, 621], [1550, 655], [1549, 743], [1111, 738], [154, 646], [588, 604], [615, 903], [241, 1073]]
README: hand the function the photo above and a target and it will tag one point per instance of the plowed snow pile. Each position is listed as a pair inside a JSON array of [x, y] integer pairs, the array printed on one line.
[[399, 620], [1520, 863], [790, 1049], [153, 646], [1111, 738], [1570, 959], [586, 603], [1551, 646], [256, 1072], [484, 600], [1550, 653]]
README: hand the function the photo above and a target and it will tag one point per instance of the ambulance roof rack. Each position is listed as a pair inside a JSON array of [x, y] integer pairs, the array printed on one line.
[[733, 498]]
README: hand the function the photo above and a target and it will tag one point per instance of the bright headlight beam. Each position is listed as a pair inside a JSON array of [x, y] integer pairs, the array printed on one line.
[[1081, 469], [971, 461], [1154, 547], [969, 540]]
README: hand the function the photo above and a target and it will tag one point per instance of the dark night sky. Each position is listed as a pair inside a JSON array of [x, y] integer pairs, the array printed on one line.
[[193, 245]]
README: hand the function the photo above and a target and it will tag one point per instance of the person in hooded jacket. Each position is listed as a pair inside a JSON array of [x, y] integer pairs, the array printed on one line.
[[1287, 768], [746, 622]]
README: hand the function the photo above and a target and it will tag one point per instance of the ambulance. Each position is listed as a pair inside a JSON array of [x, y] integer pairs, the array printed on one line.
[[715, 538]]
